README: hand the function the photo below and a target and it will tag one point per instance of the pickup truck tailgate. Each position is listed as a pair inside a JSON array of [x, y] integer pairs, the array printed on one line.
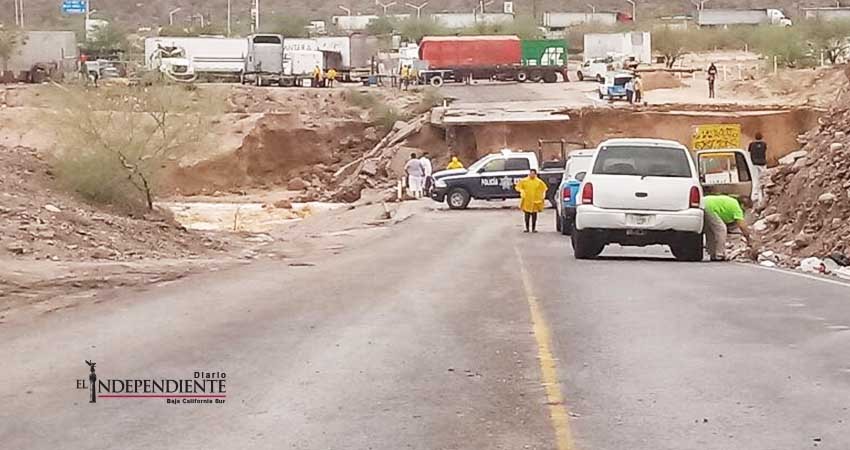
[[641, 193]]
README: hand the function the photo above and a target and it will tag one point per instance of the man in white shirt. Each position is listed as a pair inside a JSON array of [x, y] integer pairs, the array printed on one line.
[[415, 176], [427, 170]]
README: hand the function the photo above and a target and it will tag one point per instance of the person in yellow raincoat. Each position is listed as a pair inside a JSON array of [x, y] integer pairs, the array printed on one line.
[[532, 192], [454, 164]]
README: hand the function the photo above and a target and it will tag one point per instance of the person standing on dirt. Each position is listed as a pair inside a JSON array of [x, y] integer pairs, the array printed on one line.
[[638, 89], [317, 76], [532, 193], [427, 171], [331, 76], [720, 212], [630, 91], [415, 176], [712, 77], [405, 77], [758, 153]]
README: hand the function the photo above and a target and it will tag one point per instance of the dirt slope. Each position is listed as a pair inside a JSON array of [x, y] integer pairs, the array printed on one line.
[[37, 221], [808, 207]]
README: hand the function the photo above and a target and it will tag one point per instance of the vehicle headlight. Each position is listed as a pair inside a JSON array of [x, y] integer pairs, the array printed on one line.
[[440, 184]]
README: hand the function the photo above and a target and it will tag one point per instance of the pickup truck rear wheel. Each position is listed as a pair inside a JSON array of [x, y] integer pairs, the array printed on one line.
[[436, 81], [580, 76], [458, 198], [585, 245], [566, 226], [688, 247], [558, 221]]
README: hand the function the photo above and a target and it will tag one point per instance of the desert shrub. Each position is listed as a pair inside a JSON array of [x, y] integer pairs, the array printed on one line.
[[385, 116], [361, 99], [431, 97], [116, 143]]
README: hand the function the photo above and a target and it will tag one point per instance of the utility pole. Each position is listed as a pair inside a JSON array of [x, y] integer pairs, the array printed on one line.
[[592, 8], [255, 17], [418, 9], [21, 13], [229, 15], [171, 15], [482, 4], [385, 6], [17, 19], [201, 16], [634, 9]]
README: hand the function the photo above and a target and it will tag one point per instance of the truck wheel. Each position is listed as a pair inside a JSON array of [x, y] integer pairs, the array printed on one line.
[[551, 77], [436, 81], [522, 77], [566, 226], [580, 76], [601, 97], [585, 246], [458, 198], [688, 247], [599, 79], [558, 222]]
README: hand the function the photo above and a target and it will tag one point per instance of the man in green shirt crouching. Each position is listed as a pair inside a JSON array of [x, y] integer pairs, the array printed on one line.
[[721, 211]]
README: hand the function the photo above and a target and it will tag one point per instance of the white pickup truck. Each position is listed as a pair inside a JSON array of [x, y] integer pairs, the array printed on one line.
[[642, 192]]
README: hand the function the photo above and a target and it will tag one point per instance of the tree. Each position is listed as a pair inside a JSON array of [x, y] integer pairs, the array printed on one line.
[[106, 39], [116, 142], [525, 27], [11, 40], [786, 44], [829, 37], [381, 26], [290, 26], [414, 29], [672, 44]]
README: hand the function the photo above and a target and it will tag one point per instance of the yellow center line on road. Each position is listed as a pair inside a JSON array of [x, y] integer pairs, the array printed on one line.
[[548, 365]]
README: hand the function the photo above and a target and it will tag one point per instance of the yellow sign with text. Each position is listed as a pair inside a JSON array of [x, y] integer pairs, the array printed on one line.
[[707, 137]]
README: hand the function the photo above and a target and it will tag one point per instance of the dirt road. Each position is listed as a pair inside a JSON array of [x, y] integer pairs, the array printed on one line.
[[448, 336]]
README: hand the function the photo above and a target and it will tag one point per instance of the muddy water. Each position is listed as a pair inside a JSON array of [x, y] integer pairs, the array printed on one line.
[[240, 217], [592, 126]]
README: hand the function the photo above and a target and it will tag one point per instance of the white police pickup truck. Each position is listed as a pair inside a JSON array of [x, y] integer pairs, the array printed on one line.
[[492, 178]]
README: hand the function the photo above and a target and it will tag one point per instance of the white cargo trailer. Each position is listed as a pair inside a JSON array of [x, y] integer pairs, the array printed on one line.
[[828, 13], [732, 17], [636, 44], [561, 20]]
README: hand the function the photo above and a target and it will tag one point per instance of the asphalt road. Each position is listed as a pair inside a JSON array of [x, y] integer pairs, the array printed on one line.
[[455, 332]]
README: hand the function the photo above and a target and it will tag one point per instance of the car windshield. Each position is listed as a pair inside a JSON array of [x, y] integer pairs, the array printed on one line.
[[643, 161]]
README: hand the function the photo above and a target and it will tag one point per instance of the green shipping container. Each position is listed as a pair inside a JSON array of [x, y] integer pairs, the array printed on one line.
[[544, 52]]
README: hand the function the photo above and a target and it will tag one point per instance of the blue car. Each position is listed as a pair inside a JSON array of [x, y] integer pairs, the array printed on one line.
[[578, 163], [614, 85]]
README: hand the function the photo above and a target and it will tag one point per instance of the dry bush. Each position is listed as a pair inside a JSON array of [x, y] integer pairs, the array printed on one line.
[[117, 142]]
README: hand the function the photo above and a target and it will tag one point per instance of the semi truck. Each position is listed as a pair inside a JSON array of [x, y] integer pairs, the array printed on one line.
[[268, 62], [507, 58], [205, 57], [732, 17]]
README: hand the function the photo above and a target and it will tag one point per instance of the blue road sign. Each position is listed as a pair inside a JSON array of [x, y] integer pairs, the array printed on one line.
[[74, 6]]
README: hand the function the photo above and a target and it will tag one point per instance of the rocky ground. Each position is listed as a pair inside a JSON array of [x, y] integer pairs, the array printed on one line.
[[805, 222]]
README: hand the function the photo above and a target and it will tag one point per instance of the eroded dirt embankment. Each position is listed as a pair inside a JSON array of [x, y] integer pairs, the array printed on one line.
[[278, 149], [591, 126]]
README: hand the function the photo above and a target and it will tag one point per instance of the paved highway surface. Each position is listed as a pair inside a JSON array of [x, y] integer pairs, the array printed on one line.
[[456, 332]]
